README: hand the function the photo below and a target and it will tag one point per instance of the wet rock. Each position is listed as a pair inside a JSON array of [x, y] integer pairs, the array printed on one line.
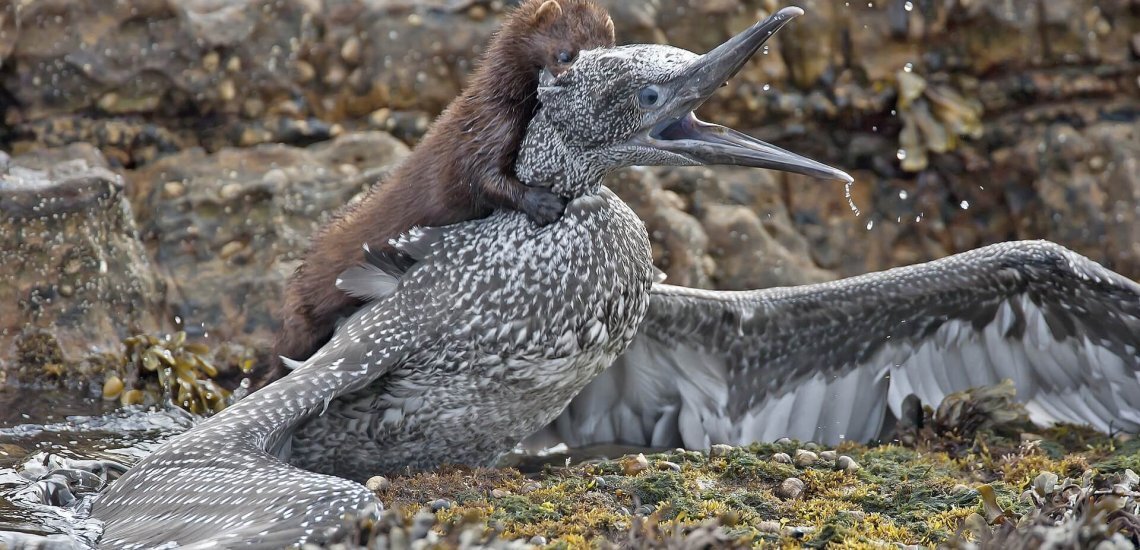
[[228, 228], [77, 280], [781, 458]]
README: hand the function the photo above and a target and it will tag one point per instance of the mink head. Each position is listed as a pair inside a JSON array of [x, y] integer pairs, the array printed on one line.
[[559, 29]]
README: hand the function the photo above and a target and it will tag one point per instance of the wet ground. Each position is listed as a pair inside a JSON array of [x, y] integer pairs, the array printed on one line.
[[57, 451]]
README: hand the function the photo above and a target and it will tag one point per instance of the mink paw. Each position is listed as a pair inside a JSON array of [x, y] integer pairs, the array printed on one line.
[[542, 206]]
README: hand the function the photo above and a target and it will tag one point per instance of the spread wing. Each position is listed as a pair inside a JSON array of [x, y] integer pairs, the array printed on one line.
[[830, 361]]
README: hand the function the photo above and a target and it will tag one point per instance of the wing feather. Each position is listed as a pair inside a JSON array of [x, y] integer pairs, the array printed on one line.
[[828, 361]]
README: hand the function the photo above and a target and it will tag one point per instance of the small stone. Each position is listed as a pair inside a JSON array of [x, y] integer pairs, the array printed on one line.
[[846, 464], [828, 455], [440, 504], [1131, 480], [499, 493], [230, 191], [783, 441], [666, 465], [790, 489], [275, 177], [720, 450], [112, 387], [529, 488], [335, 75], [598, 482], [538, 540], [805, 458], [66, 290], [305, 71], [211, 61], [633, 465], [173, 189], [350, 50], [230, 249], [811, 446], [960, 489], [782, 458], [226, 90], [378, 483], [233, 66]]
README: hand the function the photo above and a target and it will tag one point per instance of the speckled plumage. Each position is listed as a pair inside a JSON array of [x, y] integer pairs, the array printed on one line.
[[485, 339]]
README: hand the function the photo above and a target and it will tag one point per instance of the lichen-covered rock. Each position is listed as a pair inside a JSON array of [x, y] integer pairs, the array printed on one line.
[[75, 279], [227, 229]]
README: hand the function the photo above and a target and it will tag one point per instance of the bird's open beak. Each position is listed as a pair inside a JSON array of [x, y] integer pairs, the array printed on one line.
[[679, 131]]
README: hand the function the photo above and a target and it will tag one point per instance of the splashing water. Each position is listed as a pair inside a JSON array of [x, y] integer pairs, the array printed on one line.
[[850, 198]]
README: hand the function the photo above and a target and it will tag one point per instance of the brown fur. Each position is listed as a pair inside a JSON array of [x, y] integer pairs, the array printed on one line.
[[461, 170]]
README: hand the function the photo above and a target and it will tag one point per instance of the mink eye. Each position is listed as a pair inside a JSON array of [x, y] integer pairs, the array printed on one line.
[[648, 96], [565, 56]]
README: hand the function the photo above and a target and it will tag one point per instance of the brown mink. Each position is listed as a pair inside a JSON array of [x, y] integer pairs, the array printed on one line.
[[461, 170]]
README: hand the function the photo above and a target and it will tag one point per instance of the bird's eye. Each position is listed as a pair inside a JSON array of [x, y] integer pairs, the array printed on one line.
[[565, 56], [648, 96]]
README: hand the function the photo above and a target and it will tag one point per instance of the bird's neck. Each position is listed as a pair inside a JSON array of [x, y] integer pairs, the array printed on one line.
[[545, 160]]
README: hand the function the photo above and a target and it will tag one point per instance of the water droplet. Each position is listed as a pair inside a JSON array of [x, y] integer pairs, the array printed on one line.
[[908, 5], [901, 154], [767, 87], [902, 194], [870, 224], [893, 113], [908, 67], [964, 204], [850, 199]]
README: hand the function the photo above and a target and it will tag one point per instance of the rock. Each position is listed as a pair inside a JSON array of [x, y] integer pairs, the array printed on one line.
[[633, 465], [803, 458], [790, 488], [378, 483], [499, 493], [720, 449], [846, 463], [76, 279], [827, 455], [440, 504], [538, 540], [229, 240], [782, 458]]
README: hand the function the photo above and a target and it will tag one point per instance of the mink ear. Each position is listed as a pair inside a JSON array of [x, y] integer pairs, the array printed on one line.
[[548, 12]]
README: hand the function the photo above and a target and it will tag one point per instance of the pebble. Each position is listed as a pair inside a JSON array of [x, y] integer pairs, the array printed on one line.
[[790, 489], [633, 465], [378, 483], [538, 540], [666, 465], [499, 493], [805, 458], [846, 463], [782, 458], [532, 487], [783, 441], [720, 450], [828, 455], [440, 504]]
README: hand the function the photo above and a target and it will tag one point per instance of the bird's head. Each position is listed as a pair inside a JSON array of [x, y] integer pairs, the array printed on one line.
[[633, 105]]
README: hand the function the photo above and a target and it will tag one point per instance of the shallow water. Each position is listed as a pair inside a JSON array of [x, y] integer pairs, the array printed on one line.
[[58, 451]]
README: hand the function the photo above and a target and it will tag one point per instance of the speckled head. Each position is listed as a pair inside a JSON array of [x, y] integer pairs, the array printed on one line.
[[634, 105]]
